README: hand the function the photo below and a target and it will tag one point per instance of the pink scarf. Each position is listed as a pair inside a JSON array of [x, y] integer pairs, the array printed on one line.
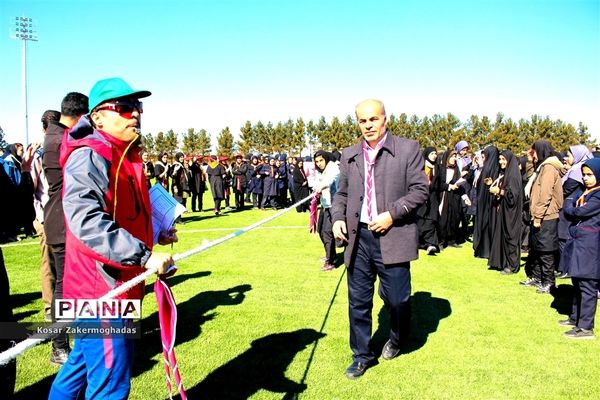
[[167, 317], [312, 226]]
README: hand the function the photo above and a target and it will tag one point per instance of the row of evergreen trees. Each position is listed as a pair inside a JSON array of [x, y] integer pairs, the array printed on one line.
[[441, 131]]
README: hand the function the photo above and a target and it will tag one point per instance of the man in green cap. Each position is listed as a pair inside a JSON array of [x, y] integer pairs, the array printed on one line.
[[109, 236]]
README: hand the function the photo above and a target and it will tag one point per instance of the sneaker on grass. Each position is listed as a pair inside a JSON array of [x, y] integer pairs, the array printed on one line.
[[580, 333]]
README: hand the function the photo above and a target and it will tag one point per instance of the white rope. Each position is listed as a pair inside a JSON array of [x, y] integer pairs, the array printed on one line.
[[15, 351]]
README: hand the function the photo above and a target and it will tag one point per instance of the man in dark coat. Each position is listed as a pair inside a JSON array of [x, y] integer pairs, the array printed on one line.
[[73, 106], [382, 183]]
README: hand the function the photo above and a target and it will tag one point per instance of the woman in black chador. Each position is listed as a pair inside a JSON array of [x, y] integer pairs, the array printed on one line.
[[506, 215], [216, 174], [450, 195], [482, 234], [428, 213], [301, 190]]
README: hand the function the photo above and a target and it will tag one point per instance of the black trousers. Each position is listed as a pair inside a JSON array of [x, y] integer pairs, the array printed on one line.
[[394, 288], [58, 251], [197, 201], [218, 205], [542, 266], [584, 302], [256, 199], [428, 233], [325, 229], [239, 199]]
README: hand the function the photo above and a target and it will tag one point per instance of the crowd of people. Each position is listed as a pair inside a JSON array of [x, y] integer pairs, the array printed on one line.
[[544, 203], [382, 199], [262, 180]]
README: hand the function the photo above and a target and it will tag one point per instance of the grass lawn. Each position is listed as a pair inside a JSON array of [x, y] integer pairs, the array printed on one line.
[[258, 319]]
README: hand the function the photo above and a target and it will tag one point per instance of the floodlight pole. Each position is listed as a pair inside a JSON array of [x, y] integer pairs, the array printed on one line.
[[23, 30]]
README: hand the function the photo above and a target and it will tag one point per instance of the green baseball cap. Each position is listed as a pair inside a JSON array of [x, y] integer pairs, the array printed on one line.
[[113, 88]]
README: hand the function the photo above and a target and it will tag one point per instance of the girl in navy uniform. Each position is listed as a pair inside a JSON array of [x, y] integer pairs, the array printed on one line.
[[581, 255]]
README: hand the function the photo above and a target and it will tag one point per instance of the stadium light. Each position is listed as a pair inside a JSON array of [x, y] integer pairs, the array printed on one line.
[[23, 29]]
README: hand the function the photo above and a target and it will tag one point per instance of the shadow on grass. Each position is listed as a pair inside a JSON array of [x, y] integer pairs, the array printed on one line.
[[191, 314], [179, 278], [195, 218], [24, 314], [22, 299], [563, 299], [262, 366], [38, 390], [426, 314]]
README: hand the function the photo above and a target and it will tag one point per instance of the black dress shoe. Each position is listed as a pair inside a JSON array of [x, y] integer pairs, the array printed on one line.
[[389, 351], [356, 369]]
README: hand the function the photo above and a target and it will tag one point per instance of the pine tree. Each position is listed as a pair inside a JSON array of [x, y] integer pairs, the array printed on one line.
[[321, 131], [423, 132], [148, 144], [505, 135], [260, 132], [403, 126], [204, 142], [351, 131], [276, 138], [311, 137], [190, 142], [477, 131], [269, 137], [3, 143], [298, 137], [583, 136], [336, 138], [247, 141], [413, 128], [392, 125], [225, 143], [160, 143], [287, 137], [171, 142]]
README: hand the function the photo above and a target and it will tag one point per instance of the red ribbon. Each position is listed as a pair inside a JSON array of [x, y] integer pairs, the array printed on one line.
[[167, 318]]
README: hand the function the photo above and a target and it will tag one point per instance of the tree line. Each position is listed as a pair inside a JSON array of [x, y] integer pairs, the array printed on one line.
[[440, 131]]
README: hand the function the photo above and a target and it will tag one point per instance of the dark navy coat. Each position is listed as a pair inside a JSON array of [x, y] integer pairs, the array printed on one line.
[[400, 188], [581, 255]]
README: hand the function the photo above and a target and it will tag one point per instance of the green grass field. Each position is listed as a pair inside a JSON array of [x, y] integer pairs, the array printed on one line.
[[258, 319]]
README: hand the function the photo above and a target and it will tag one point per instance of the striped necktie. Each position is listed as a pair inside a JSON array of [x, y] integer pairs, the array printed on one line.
[[370, 163]]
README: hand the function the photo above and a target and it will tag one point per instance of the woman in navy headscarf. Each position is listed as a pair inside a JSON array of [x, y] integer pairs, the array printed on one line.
[[270, 174], [571, 181], [581, 256]]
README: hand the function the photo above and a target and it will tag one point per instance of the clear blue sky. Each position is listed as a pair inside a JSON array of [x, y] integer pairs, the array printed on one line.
[[212, 64]]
